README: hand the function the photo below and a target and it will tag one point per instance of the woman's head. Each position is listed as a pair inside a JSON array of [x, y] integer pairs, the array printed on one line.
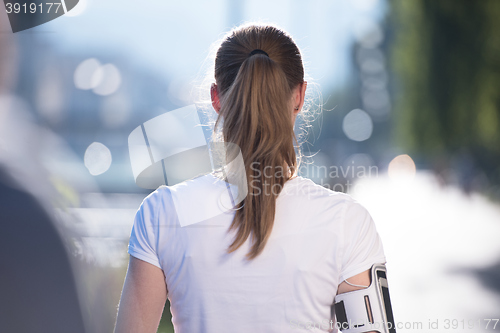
[[258, 92]]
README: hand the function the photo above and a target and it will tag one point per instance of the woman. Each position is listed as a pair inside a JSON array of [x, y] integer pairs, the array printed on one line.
[[275, 262]]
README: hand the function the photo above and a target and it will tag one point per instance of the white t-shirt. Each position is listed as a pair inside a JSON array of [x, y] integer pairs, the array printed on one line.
[[319, 238]]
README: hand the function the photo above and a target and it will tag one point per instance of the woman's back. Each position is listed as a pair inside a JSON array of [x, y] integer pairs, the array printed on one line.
[[272, 261], [319, 238]]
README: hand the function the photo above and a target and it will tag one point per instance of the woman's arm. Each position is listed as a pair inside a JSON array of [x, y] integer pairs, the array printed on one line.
[[362, 279], [143, 298]]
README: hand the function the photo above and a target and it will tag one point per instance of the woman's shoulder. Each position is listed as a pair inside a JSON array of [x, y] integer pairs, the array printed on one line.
[[186, 189], [156, 196], [304, 192], [305, 187], [196, 200]]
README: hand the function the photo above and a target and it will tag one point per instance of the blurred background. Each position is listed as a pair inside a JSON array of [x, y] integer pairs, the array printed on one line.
[[405, 117]]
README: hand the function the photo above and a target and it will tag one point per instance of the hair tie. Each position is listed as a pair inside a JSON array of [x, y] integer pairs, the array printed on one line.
[[257, 51]]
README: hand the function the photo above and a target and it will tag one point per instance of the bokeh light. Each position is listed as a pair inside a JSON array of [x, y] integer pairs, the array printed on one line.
[[357, 125], [368, 33], [107, 79], [102, 79], [374, 81], [376, 101], [85, 77], [402, 168], [371, 61], [97, 158]]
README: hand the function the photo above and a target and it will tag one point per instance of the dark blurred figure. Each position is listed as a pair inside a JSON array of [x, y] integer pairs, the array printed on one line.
[[38, 292]]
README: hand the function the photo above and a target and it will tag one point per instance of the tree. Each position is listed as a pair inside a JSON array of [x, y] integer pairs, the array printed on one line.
[[446, 57]]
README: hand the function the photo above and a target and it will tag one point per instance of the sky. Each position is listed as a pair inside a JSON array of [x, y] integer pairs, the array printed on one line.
[[174, 38]]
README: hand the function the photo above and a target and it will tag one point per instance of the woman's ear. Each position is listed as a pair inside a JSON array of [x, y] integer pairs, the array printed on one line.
[[300, 94], [214, 94]]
